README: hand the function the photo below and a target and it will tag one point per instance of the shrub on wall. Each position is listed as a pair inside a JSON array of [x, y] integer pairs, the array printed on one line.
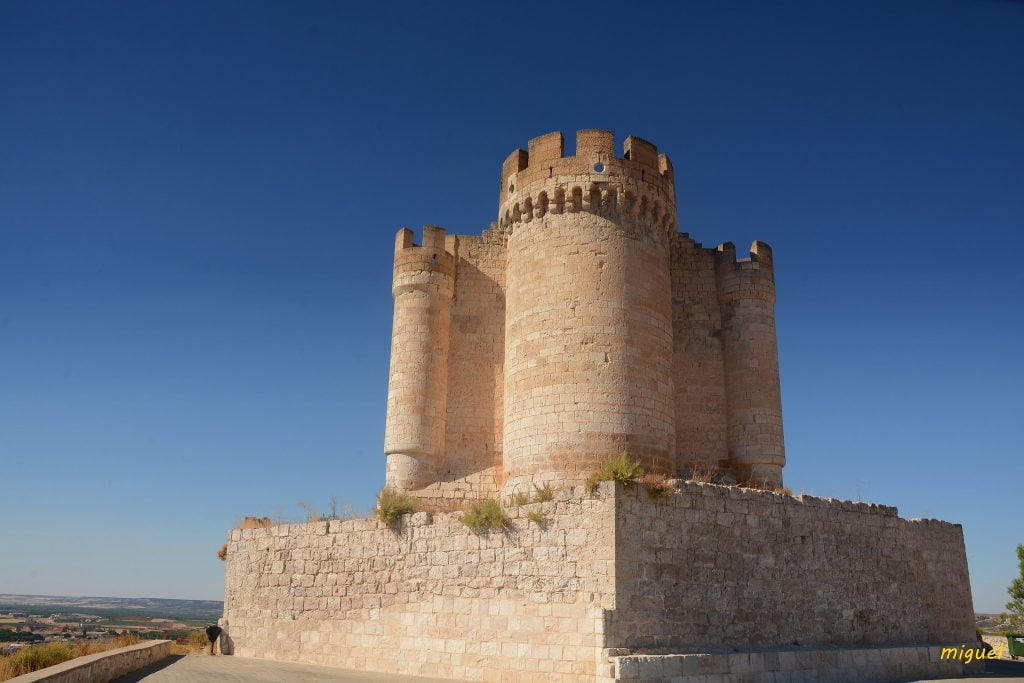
[[542, 494], [621, 469], [485, 515], [519, 499], [391, 505], [657, 486]]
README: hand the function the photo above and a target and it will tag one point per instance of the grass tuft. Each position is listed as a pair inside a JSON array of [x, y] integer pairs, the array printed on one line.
[[702, 474], [536, 516], [391, 505], [519, 499], [195, 641], [222, 554], [621, 469], [543, 494], [485, 515], [36, 657], [657, 486]]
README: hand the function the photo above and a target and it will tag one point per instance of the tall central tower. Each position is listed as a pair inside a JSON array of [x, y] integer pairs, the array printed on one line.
[[588, 308], [580, 326]]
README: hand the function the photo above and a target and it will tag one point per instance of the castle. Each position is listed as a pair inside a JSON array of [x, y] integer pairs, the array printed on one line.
[[581, 325]]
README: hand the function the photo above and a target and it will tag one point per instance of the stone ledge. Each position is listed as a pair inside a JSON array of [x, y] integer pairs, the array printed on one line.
[[103, 666], [606, 489], [841, 665]]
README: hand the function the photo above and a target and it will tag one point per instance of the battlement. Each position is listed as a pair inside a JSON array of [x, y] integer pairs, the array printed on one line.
[[745, 278], [751, 278], [542, 179], [760, 254], [420, 264], [592, 147]]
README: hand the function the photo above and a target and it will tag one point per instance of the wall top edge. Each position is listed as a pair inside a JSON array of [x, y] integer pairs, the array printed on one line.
[[605, 491]]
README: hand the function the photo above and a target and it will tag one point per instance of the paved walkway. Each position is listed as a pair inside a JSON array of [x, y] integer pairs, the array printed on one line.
[[1002, 669], [207, 669]]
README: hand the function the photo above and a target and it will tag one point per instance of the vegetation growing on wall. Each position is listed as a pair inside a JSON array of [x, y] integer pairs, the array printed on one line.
[[621, 469], [485, 515], [391, 505]]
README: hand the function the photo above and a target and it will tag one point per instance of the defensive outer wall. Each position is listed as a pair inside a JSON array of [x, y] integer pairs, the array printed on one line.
[[713, 584], [579, 326]]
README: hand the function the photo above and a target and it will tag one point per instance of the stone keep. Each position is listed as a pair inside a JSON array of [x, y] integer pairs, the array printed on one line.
[[581, 325]]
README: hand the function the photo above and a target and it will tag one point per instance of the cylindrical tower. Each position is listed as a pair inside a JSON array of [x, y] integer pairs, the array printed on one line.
[[746, 293], [588, 309], [423, 287]]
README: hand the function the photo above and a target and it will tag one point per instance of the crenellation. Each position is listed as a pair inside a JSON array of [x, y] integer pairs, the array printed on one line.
[[545, 148]]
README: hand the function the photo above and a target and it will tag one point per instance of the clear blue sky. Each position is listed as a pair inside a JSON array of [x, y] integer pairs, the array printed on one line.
[[198, 202]]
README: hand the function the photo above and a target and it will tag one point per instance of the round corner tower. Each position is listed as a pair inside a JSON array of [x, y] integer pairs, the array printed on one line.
[[746, 293], [423, 286], [588, 308]]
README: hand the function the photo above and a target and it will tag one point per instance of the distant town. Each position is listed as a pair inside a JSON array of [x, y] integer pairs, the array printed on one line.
[[30, 619]]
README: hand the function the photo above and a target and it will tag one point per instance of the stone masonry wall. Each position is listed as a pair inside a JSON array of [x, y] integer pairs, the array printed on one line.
[[700, 399], [605, 576], [471, 467], [432, 598], [102, 666], [716, 567]]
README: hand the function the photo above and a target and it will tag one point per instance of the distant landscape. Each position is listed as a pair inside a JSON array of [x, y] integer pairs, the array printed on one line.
[[993, 622], [41, 618], [47, 617]]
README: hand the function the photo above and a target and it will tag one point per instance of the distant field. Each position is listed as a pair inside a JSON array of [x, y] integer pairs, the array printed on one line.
[[127, 611]]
